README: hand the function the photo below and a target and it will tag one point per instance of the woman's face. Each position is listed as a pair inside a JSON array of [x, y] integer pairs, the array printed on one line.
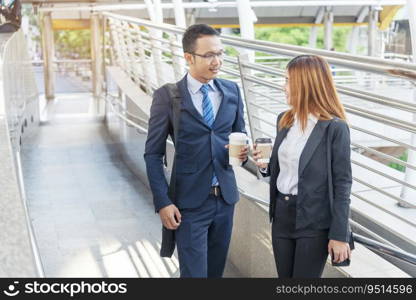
[[287, 93]]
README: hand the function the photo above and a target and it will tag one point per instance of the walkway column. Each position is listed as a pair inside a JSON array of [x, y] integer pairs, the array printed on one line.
[[410, 176], [96, 60], [180, 19], [179, 63], [372, 31], [356, 30], [246, 18], [328, 25], [155, 12], [314, 29], [48, 55]]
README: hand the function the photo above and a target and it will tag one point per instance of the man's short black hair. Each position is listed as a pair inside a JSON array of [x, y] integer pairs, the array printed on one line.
[[193, 33]]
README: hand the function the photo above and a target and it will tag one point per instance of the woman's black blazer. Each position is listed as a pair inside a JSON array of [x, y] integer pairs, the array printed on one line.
[[313, 209]]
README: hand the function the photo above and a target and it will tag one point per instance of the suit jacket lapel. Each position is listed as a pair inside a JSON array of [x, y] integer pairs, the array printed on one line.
[[187, 103], [311, 144]]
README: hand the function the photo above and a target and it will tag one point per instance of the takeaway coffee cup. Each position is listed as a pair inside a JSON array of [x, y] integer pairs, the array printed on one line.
[[237, 142], [264, 145]]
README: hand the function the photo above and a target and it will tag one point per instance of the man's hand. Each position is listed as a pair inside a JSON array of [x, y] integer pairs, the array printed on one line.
[[340, 250], [170, 217], [243, 155]]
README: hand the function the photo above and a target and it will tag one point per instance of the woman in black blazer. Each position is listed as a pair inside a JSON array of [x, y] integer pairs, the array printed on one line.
[[310, 158]]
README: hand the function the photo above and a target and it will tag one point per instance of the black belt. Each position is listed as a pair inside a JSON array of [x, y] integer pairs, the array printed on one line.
[[287, 197], [215, 190]]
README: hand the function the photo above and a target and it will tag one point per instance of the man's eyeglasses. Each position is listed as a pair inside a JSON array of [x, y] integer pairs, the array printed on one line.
[[210, 56]]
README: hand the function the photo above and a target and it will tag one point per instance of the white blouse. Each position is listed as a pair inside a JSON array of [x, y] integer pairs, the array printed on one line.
[[289, 154]]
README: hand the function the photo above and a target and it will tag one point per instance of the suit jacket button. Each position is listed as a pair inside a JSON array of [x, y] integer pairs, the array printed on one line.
[[287, 198]]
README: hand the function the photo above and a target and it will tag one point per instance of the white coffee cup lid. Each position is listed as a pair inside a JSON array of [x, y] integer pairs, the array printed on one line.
[[240, 136]]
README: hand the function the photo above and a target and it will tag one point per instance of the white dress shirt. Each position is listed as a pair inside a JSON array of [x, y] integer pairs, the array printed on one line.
[[289, 154], [196, 95]]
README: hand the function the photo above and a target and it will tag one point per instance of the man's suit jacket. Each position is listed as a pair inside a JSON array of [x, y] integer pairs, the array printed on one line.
[[200, 149], [313, 209]]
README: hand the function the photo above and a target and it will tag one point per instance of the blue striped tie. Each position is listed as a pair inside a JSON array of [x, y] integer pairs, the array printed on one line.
[[208, 114]]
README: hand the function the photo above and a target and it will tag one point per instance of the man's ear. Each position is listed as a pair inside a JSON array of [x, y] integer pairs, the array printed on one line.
[[189, 58]]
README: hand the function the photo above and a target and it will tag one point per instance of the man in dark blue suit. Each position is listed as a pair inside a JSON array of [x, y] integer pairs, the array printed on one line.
[[206, 189]]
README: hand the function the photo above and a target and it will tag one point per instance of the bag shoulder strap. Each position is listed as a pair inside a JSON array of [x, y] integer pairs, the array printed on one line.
[[176, 99]]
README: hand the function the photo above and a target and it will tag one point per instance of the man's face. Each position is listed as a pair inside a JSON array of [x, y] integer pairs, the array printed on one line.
[[206, 60]]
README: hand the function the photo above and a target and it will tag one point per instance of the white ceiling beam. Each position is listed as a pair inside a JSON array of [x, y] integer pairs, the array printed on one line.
[[254, 4]]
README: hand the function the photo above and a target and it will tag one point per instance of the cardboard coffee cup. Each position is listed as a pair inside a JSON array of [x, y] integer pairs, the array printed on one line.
[[264, 145], [237, 141]]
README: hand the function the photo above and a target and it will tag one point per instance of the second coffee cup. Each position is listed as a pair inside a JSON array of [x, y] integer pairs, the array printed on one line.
[[264, 145]]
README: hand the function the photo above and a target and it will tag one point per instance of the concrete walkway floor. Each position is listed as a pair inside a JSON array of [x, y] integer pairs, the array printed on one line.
[[91, 216]]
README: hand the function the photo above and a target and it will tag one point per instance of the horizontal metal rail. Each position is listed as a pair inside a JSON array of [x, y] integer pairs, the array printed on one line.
[[385, 156], [381, 191], [371, 97], [385, 249], [365, 63], [267, 97], [381, 207], [358, 227], [381, 136], [263, 121], [383, 174], [261, 107]]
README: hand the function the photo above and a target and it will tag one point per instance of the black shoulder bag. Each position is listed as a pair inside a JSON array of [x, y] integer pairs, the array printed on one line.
[[168, 236]]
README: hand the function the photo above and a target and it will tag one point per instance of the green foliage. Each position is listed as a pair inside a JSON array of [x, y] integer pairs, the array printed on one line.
[[231, 51], [73, 43], [300, 36], [397, 166], [286, 35]]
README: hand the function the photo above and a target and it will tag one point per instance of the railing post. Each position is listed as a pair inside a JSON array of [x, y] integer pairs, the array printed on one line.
[[130, 51], [109, 37], [328, 26], [144, 62], [157, 55], [123, 46], [96, 60], [115, 37], [249, 96], [372, 31], [314, 29], [177, 62], [48, 55]]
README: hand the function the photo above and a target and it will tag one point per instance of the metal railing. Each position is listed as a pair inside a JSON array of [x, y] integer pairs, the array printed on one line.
[[152, 59], [18, 112]]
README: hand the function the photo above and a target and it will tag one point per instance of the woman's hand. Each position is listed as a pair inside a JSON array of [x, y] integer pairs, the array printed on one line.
[[339, 251], [257, 156]]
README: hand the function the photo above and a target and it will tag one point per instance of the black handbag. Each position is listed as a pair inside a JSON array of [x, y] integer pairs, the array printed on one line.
[[331, 189], [168, 236]]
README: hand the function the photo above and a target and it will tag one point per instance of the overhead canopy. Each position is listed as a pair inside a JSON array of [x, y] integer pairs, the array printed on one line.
[[223, 13]]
